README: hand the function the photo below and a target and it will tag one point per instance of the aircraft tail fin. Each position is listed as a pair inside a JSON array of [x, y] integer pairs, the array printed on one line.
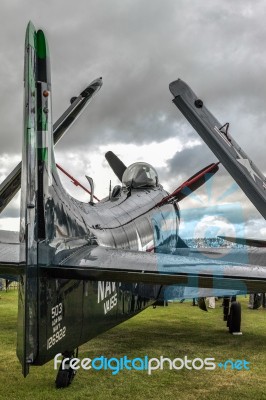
[[50, 221], [27, 304], [37, 174]]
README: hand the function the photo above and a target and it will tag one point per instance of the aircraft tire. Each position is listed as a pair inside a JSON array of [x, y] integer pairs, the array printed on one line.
[[257, 301], [234, 317], [62, 379]]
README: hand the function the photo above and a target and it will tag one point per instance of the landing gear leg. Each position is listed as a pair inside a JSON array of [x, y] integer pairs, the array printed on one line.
[[65, 373], [226, 306]]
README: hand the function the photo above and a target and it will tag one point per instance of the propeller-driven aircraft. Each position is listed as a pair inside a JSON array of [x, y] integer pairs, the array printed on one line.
[[85, 267]]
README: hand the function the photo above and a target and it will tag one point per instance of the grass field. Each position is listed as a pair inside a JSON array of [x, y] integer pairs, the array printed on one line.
[[174, 331]]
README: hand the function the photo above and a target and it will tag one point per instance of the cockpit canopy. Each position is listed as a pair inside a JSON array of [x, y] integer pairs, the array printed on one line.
[[140, 175]]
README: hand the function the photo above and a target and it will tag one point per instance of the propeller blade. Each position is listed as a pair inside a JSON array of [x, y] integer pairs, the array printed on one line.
[[192, 184], [116, 164]]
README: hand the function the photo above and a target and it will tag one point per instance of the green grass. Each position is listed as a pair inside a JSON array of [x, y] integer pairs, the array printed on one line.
[[175, 331]]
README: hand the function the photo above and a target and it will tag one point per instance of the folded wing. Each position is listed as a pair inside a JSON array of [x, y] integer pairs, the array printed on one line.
[[11, 185], [217, 137]]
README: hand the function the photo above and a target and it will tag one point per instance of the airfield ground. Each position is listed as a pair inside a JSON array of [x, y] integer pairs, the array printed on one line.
[[173, 331]]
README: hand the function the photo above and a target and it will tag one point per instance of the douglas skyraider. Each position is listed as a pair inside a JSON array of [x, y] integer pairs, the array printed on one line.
[[86, 267]]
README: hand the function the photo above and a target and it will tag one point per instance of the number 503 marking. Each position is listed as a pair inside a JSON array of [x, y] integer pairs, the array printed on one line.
[[57, 310]]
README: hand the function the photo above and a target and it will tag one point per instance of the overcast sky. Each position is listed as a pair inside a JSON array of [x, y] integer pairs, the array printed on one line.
[[139, 47]]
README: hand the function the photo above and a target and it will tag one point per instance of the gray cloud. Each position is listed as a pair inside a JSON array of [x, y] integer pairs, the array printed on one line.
[[139, 48]]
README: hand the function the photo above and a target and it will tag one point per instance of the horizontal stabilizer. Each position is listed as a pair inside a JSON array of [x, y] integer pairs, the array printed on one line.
[[9, 237], [12, 254], [9, 253], [217, 137], [100, 263]]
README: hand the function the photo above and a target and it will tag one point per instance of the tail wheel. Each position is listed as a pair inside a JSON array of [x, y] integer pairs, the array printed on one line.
[[65, 376]]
